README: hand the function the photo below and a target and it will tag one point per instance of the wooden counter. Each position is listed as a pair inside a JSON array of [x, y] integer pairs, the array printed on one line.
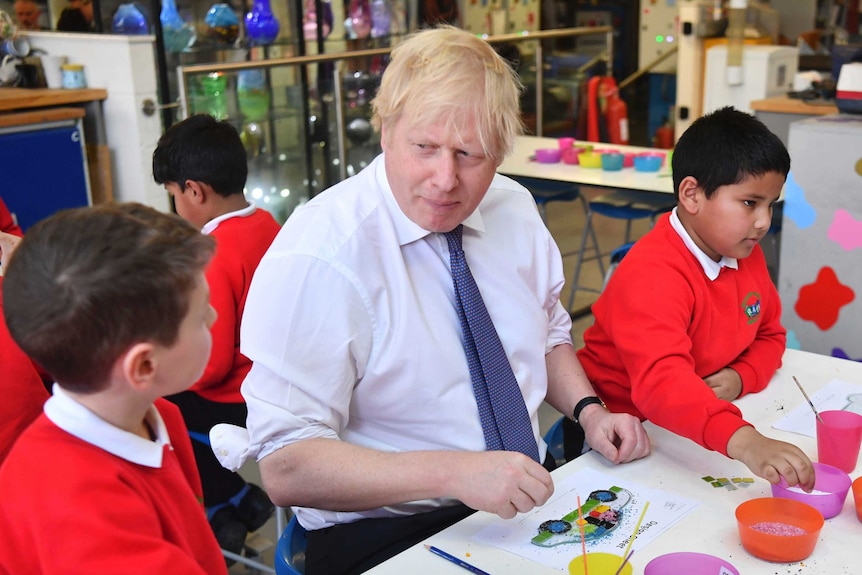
[[785, 105], [10, 119], [779, 112], [27, 98]]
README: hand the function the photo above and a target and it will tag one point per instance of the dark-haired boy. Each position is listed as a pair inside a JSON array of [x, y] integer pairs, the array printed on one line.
[[113, 301], [203, 166], [690, 320]]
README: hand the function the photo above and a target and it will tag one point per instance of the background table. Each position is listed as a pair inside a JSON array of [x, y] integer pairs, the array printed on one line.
[[519, 164], [677, 464]]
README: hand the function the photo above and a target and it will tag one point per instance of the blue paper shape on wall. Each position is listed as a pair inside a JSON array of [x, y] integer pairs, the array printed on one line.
[[796, 207]]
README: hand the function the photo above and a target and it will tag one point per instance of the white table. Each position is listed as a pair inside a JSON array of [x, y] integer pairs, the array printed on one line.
[[680, 464], [519, 164]]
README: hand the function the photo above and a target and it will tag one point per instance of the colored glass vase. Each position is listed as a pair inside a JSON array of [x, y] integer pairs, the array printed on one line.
[[260, 25], [359, 18], [309, 20], [209, 95], [177, 34], [381, 18], [252, 94], [222, 23], [129, 20]]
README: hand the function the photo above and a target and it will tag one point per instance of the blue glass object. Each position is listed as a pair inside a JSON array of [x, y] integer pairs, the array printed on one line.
[[222, 23], [176, 32], [260, 25], [129, 20]]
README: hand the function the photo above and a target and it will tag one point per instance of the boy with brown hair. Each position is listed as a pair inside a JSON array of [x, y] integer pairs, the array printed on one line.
[[113, 301], [690, 320]]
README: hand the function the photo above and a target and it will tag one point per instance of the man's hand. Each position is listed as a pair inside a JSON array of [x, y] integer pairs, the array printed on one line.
[[620, 437], [726, 384], [501, 482]]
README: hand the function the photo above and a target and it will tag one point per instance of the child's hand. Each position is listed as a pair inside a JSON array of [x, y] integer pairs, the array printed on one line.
[[8, 243], [771, 459], [726, 384]]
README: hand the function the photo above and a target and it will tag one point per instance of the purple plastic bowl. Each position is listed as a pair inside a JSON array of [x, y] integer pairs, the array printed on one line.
[[830, 490], [685, 563], [548, 155]]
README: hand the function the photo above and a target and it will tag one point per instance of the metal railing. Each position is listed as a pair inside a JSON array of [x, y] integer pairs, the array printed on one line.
[[184, 73]]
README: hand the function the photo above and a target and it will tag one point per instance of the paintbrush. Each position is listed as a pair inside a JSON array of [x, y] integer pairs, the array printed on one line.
[[626, 553], [583, 539], [808, 399]]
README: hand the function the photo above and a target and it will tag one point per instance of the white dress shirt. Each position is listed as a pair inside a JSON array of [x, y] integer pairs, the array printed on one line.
[[352, 328]]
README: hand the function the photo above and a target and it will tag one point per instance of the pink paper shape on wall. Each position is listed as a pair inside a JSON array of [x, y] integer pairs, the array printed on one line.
[[845, 230], [821, 301]]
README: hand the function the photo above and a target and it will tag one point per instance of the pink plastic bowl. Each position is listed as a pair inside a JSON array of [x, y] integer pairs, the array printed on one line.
[[685, 563], [548, 155], [570, 155], [830, 490]]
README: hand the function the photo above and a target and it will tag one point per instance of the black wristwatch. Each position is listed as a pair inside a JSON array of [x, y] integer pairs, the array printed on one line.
[[589, 400]]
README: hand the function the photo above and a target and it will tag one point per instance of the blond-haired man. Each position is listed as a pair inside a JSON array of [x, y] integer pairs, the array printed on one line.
[[361, 399]]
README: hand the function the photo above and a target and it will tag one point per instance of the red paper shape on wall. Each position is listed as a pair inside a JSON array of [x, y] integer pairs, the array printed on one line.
[[821, 301]]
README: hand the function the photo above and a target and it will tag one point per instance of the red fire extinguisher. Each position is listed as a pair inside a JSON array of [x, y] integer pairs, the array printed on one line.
[[664, 136], [617, 117], [607, 116]]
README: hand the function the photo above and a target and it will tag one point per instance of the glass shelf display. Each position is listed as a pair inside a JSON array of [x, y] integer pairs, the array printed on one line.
[[305, 119]]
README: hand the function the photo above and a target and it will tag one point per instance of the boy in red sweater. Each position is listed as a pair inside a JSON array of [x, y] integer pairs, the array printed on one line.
[[113, 301], [22, 387], [203, 166], [690, 320]]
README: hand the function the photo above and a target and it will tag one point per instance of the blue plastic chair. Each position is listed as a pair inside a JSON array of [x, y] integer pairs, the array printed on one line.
[[554, 439], [290, 549], [546, 191], [621, 205]]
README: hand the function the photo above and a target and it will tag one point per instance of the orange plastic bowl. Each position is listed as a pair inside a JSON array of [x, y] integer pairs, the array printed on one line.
[[775, 514], [857, 496]]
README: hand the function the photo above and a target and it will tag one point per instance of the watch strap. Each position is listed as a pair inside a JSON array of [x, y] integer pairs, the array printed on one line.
[[589, 400]]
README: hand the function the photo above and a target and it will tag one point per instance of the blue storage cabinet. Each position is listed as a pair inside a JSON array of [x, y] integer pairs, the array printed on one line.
[[43, 169]]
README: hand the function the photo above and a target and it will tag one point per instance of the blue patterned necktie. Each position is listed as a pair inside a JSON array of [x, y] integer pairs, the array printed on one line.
[[502, 411]]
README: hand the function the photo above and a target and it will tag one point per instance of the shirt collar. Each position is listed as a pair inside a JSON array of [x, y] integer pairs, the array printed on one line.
[[75, 419], [406, 229], [710, 267], [213, 223]]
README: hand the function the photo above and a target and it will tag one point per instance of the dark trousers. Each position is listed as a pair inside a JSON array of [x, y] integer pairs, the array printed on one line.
[[219, 484], [352, 548]]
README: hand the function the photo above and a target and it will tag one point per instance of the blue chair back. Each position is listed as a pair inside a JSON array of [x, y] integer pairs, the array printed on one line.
[[290, 550], [554, 439]]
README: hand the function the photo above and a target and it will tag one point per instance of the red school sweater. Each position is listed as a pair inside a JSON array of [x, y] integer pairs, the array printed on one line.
[[661, 326], [23, 391], [70, 507], [240, 245]]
